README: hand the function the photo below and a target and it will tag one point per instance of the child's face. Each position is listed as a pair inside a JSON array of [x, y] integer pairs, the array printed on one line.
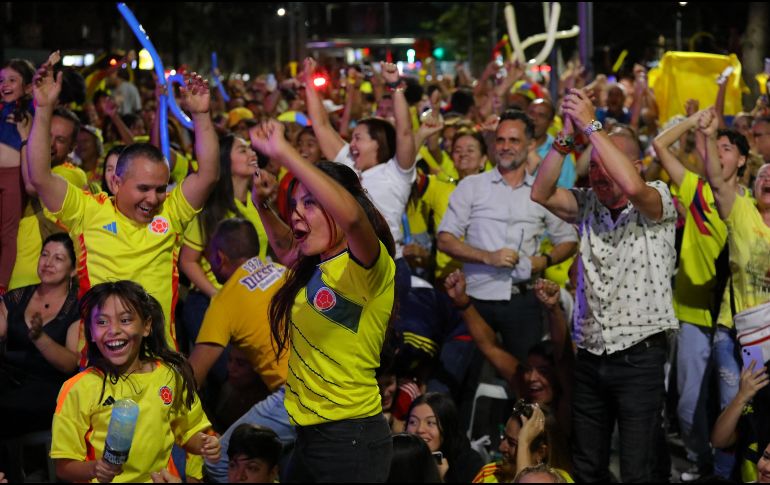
[[241, 469], [117, 332], [11, 85]]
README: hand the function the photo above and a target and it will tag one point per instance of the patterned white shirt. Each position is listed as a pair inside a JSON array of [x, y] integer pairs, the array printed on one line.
[[625, 270]]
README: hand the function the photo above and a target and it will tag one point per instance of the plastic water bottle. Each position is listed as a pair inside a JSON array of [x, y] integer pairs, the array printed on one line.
[[121, 431]]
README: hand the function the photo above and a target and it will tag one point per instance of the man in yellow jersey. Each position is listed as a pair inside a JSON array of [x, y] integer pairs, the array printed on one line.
[[135, 235], [697, 297], [238, 312], [36, 223]]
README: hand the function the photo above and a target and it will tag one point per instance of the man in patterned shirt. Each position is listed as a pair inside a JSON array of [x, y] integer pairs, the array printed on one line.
[[623, 304]]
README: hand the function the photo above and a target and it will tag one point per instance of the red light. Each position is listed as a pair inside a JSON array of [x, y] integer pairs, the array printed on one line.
[[319, 81], [545, 68], [113, 62]]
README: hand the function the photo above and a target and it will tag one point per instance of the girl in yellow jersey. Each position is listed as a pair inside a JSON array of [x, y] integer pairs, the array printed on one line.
[[331, 314], [129, 360]]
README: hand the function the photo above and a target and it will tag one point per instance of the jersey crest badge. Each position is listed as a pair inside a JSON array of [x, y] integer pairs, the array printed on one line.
[[159, 225], [166, 395], [324, 299]]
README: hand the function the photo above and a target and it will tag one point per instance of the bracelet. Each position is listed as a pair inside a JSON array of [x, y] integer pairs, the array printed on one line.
[[464, 307], [561, 149], [396, 86]]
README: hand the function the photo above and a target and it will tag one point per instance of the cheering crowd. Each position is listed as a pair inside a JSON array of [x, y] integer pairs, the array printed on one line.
[[321, 279]]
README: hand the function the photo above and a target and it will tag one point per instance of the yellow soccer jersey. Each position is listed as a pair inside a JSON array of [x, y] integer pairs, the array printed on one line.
[[29, 241], [112, 247], [238, 315], [704, 237], [83, 411], [749, 239], [337, 329], [193, 236]]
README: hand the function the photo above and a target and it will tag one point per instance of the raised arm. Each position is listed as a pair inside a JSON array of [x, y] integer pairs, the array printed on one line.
[[405, 149], [329, 140], [341, 206], [676, 170], [724, 435], [617, 165], [279, 235], [724, 193], [559, 201], [484, 336], [196, 99], [111, 110], [45, 89]]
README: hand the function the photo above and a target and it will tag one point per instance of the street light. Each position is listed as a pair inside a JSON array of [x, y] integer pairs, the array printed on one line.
[[281, 12]]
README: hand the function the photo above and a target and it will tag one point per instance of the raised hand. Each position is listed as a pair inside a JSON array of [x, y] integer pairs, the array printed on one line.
[[308, 70], [532, 427], [268, 139], [46, 88], [455, 287], [752, 381], [431, 123], [691, 107], [708, 123], [196, 97], [264, 187], [578, 106], [390, 72]]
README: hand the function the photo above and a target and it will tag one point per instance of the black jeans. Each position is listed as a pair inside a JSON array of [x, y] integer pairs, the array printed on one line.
[[626, 386], [352, 450], [519, 321]]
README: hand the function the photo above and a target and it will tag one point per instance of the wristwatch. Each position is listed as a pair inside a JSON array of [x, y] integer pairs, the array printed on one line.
[[592, 127]]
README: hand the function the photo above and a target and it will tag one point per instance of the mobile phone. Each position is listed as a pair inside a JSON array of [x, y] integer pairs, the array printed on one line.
[[752, 353], [438, 456]]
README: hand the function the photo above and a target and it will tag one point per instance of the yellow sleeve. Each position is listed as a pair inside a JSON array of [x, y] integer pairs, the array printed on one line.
[[193, 235], [194, 466], [72, 174], [188, 422], [179, 210], [373, 281], [181, 168], [71, 422], [73, 209]]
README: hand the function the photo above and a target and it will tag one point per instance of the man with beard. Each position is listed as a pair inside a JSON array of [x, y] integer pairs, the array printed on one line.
[[495, 229], [623, 304]]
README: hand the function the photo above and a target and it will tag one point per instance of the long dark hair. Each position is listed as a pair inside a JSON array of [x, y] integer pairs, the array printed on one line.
[[453, 440], [302, 270], [154, 346], [221, 202], [412, 461]]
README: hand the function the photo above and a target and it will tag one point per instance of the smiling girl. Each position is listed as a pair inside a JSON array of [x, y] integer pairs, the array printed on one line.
[[129, 360], [332, 312]]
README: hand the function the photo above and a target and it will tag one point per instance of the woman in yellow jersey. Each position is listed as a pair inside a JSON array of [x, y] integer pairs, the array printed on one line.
[[331, 315], [230, 198]]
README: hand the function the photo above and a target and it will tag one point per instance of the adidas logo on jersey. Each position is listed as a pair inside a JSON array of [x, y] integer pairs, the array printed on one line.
[[111, 227]]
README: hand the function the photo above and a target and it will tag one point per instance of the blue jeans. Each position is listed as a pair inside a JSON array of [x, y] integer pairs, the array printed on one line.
[[270, 413], [696, 358], [351, 450], [626, 386]]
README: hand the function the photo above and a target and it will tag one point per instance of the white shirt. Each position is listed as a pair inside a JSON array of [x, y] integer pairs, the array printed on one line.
[[625, 270], [388, 186], [490, 215]]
